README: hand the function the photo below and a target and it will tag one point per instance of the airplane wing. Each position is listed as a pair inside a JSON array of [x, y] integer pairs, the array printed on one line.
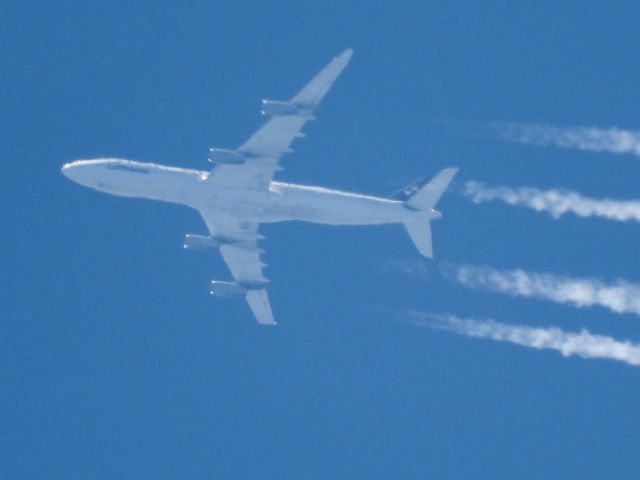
[[251, 167], [261, 154], [241, 253], [246, 268]]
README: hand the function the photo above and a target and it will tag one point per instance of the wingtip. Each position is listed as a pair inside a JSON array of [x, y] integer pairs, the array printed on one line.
[[453, 171], [346, 55]]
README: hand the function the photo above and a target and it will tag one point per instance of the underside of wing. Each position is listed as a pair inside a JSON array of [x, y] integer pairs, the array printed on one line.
[[253, 164], [238, 244], [258, 301], [253, 174], [246, 267], [243, 260]]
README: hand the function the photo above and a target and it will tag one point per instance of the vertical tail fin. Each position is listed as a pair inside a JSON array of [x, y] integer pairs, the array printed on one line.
[[423, 200]]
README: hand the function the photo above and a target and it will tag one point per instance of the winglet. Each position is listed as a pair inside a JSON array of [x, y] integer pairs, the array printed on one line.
[[317, 88], [258, 300]]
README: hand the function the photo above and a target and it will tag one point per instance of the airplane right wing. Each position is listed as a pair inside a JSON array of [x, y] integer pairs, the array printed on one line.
[[253, 164]]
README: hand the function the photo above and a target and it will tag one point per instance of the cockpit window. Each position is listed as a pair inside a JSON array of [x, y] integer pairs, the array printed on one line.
[[128, 168]]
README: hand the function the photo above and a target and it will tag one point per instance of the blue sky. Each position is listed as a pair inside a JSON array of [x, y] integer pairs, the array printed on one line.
[[118, 364]]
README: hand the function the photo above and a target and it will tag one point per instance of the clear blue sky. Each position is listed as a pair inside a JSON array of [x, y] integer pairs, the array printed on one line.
[[116, 363]]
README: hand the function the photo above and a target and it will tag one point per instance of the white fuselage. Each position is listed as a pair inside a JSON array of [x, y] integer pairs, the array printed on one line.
[[282, 201]]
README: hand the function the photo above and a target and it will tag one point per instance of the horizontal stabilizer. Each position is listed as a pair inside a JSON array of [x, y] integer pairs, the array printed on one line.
[[420, 232], [427, 196]]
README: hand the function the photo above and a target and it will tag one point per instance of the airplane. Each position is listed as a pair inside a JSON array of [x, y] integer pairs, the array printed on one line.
[[239, 193]]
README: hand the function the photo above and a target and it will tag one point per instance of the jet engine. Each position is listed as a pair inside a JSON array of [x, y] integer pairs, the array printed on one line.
[[227, 289], [199, 242], [277, 108], [222, 156]]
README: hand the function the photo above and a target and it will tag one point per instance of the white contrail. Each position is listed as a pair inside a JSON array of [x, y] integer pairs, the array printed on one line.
[[555, 202], [583, 344], [614, 140], [620, 296]]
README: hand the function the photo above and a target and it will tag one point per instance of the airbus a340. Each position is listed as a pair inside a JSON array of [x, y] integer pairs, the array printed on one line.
[[239, 193]]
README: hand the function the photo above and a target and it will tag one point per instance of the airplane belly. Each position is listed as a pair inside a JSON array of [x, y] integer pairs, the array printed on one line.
[[236, 203], [317, 206]]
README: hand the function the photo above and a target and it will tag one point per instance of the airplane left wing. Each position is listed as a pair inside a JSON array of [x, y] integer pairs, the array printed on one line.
[[240, 251], [253, 164], [246, 267]]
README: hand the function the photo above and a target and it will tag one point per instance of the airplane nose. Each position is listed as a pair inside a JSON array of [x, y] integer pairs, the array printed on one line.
[[75, 172], [83, 172], [65, 169]]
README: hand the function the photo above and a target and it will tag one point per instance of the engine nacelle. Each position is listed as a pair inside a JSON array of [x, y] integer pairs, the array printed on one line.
[[199, 242], [277, 108], [222, 156], [227, 289]]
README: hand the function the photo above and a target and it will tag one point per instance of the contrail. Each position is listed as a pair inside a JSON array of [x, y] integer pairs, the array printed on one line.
[[583, 344], [614, 140], [555, 202], [620, 296]]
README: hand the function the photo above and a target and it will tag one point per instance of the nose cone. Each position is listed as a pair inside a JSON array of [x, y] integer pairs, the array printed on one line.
[[80, 171], [66, 169], [71, 170]]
